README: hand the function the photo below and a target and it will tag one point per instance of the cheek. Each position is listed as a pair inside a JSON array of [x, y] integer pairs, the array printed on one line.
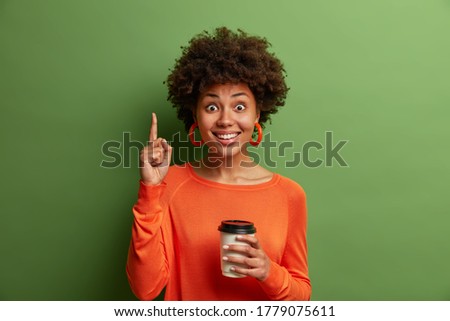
[[248, 123], [204, 124]]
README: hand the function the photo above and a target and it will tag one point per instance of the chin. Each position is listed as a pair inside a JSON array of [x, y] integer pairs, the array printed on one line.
[[222, 151]]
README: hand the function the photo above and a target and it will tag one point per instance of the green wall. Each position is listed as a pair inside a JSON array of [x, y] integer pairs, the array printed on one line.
[[77, 74]]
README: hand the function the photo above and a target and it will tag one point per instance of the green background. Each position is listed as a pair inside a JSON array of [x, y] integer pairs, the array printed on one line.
[[77, 74]]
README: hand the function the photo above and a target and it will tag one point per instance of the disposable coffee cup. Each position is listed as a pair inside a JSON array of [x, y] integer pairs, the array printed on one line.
[[229, 229]]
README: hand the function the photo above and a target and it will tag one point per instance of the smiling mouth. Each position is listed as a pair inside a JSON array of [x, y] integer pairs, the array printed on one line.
[[226, 136]]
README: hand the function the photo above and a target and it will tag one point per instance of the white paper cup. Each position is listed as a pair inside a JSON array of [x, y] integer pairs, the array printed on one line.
[[229, 229]]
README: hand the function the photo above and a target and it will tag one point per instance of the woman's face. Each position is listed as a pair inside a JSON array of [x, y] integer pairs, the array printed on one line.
[[226, 115]]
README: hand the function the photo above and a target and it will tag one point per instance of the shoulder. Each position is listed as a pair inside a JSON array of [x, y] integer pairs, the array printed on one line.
[[176, 177], [177, 174], [291, 188], [296, 199]]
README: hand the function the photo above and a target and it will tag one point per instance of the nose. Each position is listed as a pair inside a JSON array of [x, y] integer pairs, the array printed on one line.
[[225, 119]]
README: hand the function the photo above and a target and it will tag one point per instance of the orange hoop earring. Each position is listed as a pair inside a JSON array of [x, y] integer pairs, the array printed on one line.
[[256, 143], [194, 142]]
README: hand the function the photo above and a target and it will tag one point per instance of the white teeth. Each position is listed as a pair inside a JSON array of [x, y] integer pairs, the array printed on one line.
[[227, 136]]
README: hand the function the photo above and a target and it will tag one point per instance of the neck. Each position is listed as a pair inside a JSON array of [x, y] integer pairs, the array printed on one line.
[[227, 167]]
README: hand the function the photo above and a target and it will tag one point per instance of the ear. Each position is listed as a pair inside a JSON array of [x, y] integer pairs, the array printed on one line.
[[257, 116]]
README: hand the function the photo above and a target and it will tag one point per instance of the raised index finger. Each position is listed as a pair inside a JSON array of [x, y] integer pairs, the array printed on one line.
[[153, 129]]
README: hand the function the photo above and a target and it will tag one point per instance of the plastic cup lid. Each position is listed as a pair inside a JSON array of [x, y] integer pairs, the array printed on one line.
[[237, 227]]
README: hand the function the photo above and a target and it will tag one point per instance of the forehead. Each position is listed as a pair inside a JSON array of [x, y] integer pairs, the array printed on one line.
[[226, 90]]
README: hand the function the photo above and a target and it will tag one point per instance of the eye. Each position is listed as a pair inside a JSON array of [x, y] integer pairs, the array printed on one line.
[[212, 108], [240, 107]]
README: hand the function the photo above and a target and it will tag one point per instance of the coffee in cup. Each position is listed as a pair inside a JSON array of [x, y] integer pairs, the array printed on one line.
[[229, 229]]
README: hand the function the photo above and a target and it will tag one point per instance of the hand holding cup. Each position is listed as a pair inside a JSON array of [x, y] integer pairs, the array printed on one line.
[[241, 252]]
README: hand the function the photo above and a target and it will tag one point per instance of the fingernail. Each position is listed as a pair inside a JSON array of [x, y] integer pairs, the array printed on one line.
[[226, 247], [232, 268], [239, 237], [225, 258]]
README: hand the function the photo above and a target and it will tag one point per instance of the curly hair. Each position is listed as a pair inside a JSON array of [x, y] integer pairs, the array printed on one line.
[[226, 57]]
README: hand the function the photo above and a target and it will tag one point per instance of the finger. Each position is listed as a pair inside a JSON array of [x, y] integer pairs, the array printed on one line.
[[165, 145], [147, 156], [167, 151], [154, 153], [242, 249], [244, 261], [259, 273], [157, 143], [252, 240], [153, 129], [157, 156], [245, 271], [239, 270], [155, 159], [169, 154], [256, 273], [143, 156]]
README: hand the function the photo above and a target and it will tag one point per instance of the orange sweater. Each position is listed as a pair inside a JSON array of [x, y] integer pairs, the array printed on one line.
[[175, 242]]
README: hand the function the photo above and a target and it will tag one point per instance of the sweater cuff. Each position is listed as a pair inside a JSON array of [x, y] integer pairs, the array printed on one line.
[[149, 197], [276, 281]]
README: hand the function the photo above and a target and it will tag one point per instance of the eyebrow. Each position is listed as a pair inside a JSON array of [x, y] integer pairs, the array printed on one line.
[[234, 95]]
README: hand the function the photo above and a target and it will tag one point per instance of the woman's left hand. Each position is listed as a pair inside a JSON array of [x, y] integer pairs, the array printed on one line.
[[258, 262]]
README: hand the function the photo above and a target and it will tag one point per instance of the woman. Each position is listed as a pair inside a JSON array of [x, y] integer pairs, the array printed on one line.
[[225, 84]]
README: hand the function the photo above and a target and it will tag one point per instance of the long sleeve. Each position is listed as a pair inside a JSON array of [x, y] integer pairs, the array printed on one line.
[[147, 264], [289, 280]]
